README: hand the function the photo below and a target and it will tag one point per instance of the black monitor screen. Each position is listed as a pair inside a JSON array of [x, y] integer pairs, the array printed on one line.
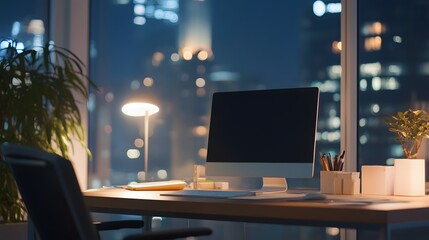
[[273, 126]]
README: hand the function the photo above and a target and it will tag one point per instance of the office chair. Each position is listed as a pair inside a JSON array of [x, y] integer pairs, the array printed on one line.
[[55, 204]]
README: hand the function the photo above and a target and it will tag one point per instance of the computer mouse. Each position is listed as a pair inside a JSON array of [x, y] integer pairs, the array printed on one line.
[[314, 196]]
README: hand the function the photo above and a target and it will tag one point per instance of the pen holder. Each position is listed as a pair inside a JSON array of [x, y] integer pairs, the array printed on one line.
[[329, 183], [338, 182]]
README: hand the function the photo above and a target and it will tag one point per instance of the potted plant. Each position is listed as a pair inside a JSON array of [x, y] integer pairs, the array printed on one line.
[[410, 128], [38, 92]]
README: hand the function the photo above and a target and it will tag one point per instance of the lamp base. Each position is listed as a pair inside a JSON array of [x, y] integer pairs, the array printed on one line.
[[141, 176]]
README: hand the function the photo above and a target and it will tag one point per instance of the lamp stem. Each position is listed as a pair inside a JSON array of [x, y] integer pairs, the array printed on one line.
[[146, 145]]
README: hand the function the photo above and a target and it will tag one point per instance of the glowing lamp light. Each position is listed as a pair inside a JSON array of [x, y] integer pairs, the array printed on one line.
[[139, 109]]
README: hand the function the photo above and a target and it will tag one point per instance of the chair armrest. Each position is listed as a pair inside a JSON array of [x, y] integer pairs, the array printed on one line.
[[171, 234], [114, 225]]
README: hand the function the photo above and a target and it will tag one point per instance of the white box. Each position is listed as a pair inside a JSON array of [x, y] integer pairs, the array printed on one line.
[[338, 182], [378, 180]]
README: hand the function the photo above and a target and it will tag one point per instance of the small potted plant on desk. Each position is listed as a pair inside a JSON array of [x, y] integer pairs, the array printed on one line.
[[410, 128], [38, 107]]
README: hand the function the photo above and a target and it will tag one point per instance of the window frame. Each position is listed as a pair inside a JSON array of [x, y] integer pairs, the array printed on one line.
[[349, 75], [69, 28]]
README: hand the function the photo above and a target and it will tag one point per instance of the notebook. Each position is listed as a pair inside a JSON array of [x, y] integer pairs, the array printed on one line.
[[157, 186]]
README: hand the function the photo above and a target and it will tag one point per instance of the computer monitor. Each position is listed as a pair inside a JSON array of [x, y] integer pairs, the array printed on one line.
[[263, 133]]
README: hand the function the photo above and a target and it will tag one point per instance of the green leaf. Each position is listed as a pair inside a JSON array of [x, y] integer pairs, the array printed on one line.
[[410, 127], [41, 111]]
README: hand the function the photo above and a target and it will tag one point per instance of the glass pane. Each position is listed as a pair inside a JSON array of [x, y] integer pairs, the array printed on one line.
[[393, 65], [24, 21], [184, 51]]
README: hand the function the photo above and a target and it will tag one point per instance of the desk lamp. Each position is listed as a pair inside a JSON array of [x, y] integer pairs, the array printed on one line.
[[139, 107]]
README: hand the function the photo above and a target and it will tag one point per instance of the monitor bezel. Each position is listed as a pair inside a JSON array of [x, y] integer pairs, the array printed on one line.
[[268, 169]]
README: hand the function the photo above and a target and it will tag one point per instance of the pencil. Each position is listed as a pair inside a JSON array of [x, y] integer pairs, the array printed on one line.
[[323, 162], [325, 165]]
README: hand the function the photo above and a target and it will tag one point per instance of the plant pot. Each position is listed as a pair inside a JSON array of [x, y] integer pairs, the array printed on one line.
[[409, 177], [16, 231]]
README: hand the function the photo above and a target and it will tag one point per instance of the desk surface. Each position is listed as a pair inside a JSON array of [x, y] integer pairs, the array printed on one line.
[[374, 215]]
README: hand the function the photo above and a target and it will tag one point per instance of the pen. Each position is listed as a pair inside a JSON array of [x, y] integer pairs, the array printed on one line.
[[342, 154], [330, 163], [322, 162], [336, 163], [342, 159]]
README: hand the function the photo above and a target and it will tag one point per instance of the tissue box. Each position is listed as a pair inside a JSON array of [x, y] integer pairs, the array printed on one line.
[[378, 180]]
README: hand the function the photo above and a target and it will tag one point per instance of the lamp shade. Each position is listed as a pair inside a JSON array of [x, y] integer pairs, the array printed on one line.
[[140, 104], [138, 109]]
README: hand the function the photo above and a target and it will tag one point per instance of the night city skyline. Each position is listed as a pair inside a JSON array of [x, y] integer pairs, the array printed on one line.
[[182, 51]]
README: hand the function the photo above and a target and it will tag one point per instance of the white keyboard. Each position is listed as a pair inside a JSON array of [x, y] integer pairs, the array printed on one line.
[[209, 193]]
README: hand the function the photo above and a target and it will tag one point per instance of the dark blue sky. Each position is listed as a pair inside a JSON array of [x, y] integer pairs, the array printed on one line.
[[260, 38], [21, 10]]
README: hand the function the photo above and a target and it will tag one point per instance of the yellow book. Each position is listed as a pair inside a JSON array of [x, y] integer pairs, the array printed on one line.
[[157, 185]]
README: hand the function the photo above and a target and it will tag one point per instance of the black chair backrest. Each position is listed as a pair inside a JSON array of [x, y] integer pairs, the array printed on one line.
[[51, 193]]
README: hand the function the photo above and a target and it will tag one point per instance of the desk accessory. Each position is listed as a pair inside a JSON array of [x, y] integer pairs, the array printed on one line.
[[333, 180], [201, 182], [338, 182], [410, 128], [157, 186], [409, 177], [378, 180], [139, 105], [332, 164], [199, 174]]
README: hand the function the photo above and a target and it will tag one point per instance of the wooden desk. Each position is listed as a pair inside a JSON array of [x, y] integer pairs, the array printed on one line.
[[383, 216]]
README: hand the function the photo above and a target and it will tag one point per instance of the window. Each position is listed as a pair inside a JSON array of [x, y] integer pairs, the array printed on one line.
[[183, 51]]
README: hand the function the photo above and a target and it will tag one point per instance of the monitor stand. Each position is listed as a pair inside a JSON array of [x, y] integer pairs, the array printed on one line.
[[272, 185]]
